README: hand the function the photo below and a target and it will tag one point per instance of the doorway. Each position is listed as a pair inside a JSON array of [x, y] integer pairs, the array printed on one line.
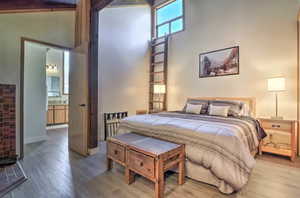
[[44, 90], [57, 85]]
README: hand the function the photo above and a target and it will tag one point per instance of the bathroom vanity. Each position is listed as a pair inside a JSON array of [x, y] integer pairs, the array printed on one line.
[[57, 114]]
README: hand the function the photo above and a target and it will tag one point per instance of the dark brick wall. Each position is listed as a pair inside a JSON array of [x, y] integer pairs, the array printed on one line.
[[7, 121]]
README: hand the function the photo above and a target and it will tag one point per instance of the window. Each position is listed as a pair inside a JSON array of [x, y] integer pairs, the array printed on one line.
[[169, 18]]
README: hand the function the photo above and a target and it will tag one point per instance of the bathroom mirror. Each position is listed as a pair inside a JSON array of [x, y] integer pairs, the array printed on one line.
[[53, 86]]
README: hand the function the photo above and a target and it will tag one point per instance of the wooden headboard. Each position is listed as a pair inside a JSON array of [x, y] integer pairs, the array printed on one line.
[[251, 102]]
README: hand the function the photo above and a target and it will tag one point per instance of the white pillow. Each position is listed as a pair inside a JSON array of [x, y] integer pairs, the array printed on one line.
[[245, 111], [219, 110], [192, 108]]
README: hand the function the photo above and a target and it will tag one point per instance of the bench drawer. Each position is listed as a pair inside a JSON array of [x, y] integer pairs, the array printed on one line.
[[116, 151], [140, 163]]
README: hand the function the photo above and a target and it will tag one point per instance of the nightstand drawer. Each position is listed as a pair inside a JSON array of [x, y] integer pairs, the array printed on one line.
[[116, 152], [281, 126]]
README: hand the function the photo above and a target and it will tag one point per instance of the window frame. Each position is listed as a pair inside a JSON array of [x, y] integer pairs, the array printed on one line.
[[156, 8], [63, 75]]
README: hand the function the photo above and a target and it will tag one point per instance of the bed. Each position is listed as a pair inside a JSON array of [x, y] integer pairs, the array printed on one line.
[[219, 150]]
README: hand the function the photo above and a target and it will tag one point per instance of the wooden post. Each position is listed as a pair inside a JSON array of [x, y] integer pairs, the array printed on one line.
[[159, 178], [294, 141], [260, 147], [82, 26], [86, 41], [108, 160], [109, 164], [129, 176], [181, 167]]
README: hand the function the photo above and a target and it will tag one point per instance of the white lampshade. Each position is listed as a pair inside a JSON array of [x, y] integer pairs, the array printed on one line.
[[159, 89], [276, 84]]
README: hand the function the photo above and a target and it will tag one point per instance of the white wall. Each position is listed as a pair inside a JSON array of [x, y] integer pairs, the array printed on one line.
[[124, 33], [53, 27], [34, 93], [266, 32]]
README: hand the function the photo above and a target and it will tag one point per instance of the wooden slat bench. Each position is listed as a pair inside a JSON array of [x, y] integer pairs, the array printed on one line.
[[148, 157]]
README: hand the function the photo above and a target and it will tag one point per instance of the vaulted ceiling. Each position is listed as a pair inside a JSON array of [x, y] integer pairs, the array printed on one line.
[[10, 5]]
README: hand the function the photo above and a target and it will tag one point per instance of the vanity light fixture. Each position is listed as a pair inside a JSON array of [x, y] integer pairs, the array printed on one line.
[[51, 68]]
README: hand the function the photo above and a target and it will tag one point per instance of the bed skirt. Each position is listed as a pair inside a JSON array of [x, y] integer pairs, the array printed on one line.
[[202, 174]]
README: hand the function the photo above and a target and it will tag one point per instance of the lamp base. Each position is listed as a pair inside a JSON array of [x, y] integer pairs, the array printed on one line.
[[276, 117]]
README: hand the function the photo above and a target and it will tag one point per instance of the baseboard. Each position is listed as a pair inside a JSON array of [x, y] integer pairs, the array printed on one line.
[[36, 139], [93, 151]]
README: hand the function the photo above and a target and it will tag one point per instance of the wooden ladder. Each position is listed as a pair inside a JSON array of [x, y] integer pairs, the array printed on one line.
[[158, 74]]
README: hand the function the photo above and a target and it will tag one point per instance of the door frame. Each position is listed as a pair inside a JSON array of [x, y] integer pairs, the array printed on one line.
[[298, 80], [22, 67]]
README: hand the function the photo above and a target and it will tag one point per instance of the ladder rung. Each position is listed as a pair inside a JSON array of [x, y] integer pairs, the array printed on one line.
[[157, 53], [156, 101], [159, 72], [157, 63], [163, 37], [156, 44], [158, 82]]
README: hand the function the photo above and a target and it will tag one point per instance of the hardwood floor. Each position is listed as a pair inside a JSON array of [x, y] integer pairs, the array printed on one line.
[[55, 172]]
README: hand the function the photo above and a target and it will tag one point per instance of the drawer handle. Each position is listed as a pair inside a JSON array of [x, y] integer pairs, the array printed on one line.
[[116, 152], [275, 126], [141, 164]]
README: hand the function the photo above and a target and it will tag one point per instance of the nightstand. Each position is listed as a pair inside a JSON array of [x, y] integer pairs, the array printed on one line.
[[281, 139]]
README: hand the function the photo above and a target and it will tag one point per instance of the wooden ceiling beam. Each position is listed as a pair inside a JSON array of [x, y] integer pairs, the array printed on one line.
[[150, 2], [74, 2], [16, 6], [100, 4], [13, 11]]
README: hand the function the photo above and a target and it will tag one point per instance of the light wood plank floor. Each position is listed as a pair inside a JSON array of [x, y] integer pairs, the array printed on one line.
[[55, 172]]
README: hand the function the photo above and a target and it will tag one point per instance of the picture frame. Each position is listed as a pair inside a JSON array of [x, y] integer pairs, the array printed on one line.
[[222, 62]]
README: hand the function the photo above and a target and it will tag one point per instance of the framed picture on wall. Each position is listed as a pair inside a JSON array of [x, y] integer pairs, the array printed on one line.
[[221, 62]]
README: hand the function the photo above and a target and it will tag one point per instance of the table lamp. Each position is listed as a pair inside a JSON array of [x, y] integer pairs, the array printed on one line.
[[276, 85]]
